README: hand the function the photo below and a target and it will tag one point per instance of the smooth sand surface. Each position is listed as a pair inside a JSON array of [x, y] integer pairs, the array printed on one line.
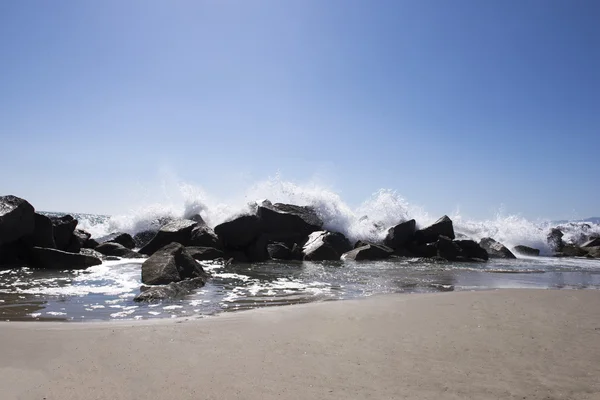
[[506, 344]]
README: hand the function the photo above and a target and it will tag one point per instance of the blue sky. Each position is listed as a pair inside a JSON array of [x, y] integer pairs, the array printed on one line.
[[470, 104]]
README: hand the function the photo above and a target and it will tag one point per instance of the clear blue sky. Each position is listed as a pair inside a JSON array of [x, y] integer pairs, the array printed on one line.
[[452, 103]]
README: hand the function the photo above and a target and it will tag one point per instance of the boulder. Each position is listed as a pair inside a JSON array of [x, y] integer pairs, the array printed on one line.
[[143, 238], [40, 257], [472, 250], [496, 249], [124, 239], [94, 253], [239, 232], [593, 251], [573, 251], [203, 236], [178, 231], [555, 239], [325, 245], [170, 291], [368, 252], [447, 249], [288, 218], [204, 253], [118, 250], [257, 250], [593, 242], [171, 263], [43, 233], [400, 235], [526, 251], [63, 228], [17, 219], [441, 227], [278, 251], [426, 250], [79, 239]]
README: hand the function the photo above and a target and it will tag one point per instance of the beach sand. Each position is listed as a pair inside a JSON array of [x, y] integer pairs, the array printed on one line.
[[505, 344]]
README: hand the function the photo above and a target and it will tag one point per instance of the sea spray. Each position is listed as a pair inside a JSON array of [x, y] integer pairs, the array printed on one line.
[[368, 221]]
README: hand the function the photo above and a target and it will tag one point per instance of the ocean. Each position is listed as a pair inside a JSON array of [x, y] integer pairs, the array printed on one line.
[[106, 292]]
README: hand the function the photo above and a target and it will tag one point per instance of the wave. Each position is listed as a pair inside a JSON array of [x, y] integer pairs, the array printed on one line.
[[368, 221]]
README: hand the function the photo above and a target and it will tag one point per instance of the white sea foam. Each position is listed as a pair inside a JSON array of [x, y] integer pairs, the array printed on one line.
[[368, 221]]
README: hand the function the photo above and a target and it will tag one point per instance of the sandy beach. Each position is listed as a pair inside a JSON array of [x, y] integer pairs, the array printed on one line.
[[505, 344]]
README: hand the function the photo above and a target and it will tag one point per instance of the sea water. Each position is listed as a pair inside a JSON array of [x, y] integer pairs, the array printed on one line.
[[106, 292]]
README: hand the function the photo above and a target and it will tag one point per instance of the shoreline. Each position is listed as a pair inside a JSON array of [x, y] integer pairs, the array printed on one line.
[[506, 343]]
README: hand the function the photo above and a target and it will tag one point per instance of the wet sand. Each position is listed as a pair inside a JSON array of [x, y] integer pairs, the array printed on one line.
[[505, 344]]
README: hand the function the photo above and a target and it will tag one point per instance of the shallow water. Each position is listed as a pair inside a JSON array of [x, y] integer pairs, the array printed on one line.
[[106, 292]]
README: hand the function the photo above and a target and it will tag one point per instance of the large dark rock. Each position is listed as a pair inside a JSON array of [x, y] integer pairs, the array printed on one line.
[[170, 291], [555, 239], [496, 249], [203, 236], [526, 250], [204, 253], [593, 242], [80, 239], [171, 263], [472, 250], [279, 251], [124, 239], [426, 250], [288, 218], [441, 227], [17, 219], [593, 251], [448, 249], [368, 252], [400, 235], [144, 237], [43, 233], [572, 251], [326, 246], [183, 231], [63, 228], [239, 232], [118, 250], [40, 257]]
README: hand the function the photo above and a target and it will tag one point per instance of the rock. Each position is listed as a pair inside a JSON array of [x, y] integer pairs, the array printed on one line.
[[91, 243], [171, 263], [495, 249], [257, 250], [555, 239], [426, 250], [118, 250], [170, 291], [124, 239], [143, 238], [203, 236], [63, 228], [278, 251], [43, 233], [94, 253], [593, 242], [447, 249], [78, 240], [288, 218], [573, 251], [40, 257], [441, 227], [593, 251], [204, 253], [526, 251], [400, 235], [184, 232], [239, 232], [472, 250], [17, 219], [325, 245], [368, 252], [360, 243]]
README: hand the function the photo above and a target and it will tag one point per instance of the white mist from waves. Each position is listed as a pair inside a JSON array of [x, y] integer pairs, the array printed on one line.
[[369, 221]]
